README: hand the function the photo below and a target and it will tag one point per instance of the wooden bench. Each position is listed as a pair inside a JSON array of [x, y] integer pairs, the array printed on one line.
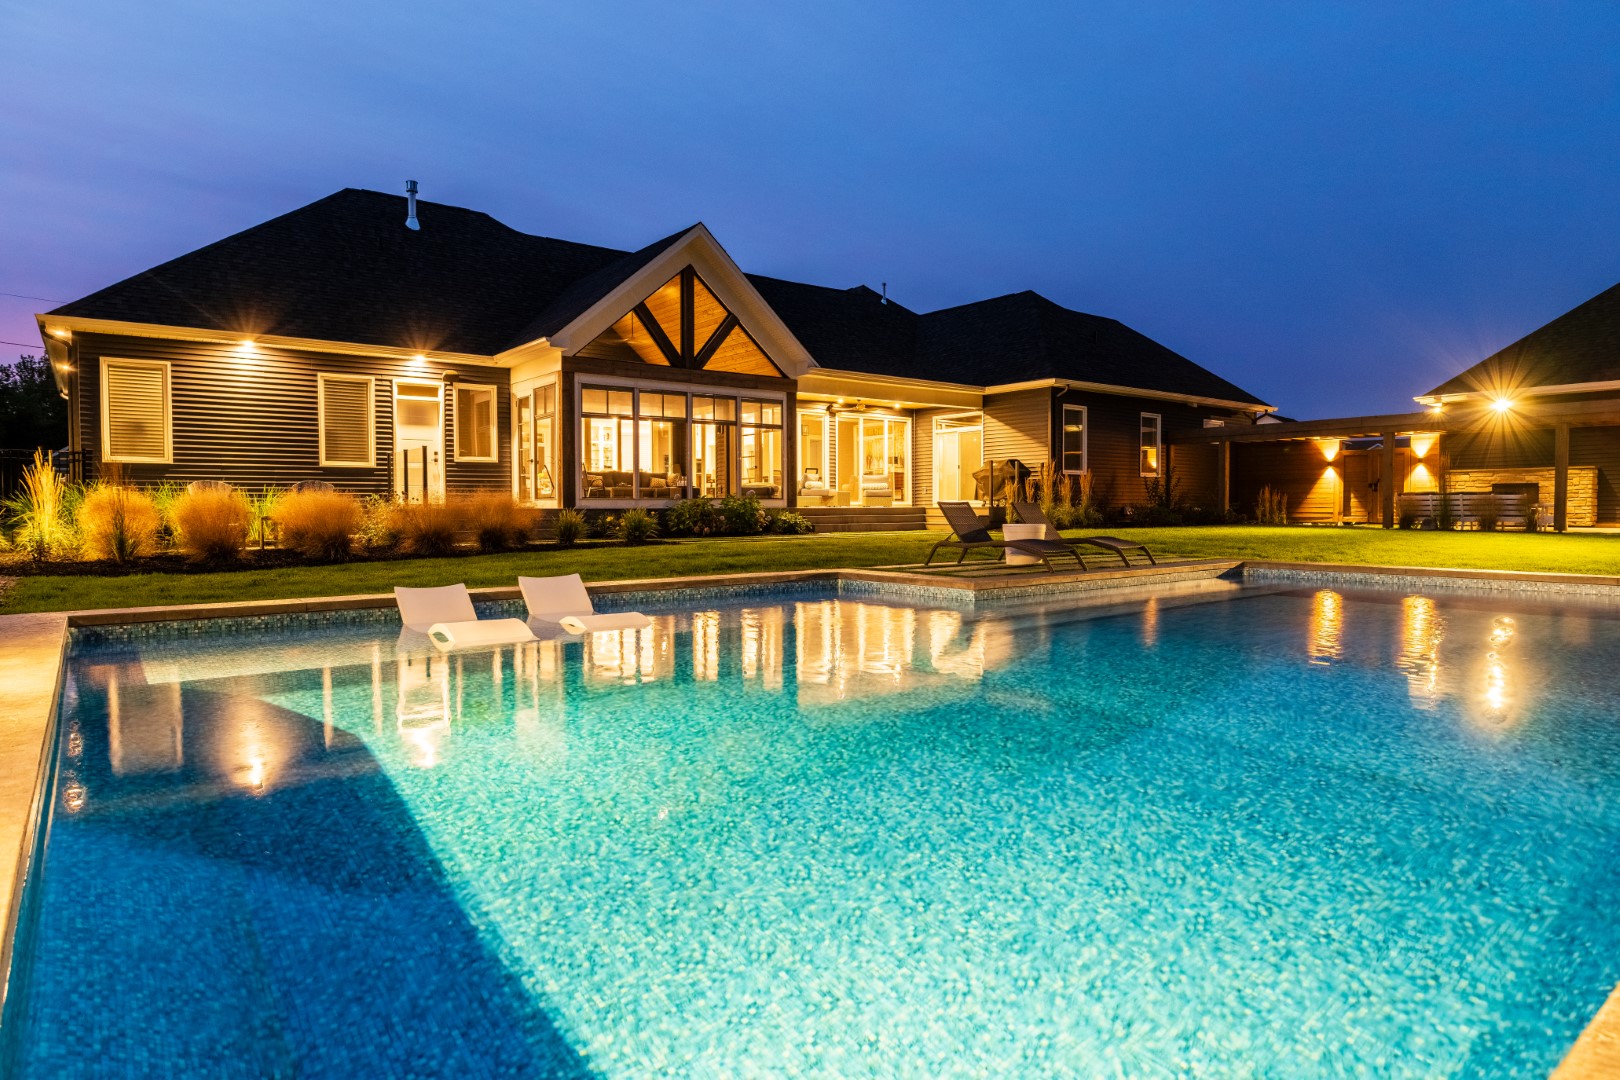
[[1465, 506]]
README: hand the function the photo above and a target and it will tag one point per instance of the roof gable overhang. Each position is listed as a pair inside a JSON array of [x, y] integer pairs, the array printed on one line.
[[1608, 386], [1132, 391], [699, 250]]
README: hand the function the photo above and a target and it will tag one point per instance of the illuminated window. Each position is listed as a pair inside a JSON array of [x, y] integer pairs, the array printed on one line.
[[1151, 444], [135, 421], [714, 445], [682, 324], [1074, 438], [344, 407], [762, 449], [475, 423]]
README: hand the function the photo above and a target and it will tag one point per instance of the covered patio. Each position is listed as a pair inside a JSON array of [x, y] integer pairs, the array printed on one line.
[[1353, 469]]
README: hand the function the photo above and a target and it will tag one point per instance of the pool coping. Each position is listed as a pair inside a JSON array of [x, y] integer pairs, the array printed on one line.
[[34, 648]]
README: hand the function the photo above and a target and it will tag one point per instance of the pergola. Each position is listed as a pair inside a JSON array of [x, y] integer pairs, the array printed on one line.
[[1455, 418]]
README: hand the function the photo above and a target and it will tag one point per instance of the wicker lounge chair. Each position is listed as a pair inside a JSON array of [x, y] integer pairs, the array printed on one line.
[[1030, 514], [971, 535]]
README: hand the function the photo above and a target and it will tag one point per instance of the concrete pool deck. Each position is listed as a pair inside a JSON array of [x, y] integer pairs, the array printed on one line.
[[33, 651]]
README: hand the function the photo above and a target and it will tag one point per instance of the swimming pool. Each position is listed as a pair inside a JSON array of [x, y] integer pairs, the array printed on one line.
[[1222, 830]]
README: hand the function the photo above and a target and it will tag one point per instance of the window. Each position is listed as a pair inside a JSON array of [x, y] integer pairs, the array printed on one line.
[[475, 423], [1074, 438], [714, 445], [608, 433], [661, 445], [345, 408], [135, 419], [1150, 444], [814, 477], [762, 449]]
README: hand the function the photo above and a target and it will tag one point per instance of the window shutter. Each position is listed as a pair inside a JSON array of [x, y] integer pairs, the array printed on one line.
[[346, 421], [137, 410]]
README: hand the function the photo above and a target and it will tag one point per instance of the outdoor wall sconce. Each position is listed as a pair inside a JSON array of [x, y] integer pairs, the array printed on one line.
[[1329, 448], [1422, 444]]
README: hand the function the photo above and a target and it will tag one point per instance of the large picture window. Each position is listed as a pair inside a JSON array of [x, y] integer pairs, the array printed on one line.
[[1151, 444], [135, 411], [1074, 438], [346, 415], [661, 435], [607, 418], [475, 423]]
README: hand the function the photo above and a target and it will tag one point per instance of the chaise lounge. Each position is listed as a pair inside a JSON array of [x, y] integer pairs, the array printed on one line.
[[971, 534], [1030, 514]]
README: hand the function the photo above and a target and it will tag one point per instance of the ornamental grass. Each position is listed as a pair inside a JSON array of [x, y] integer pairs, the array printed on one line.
[[425, 528], [118, 523], [495, 519], [318, 524], [211, 523]]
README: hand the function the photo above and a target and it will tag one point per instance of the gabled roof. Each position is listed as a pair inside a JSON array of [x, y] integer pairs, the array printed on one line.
[[1580, 346], [345, 269]]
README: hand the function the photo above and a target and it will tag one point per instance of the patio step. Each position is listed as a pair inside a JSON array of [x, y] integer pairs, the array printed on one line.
[[865, 518]]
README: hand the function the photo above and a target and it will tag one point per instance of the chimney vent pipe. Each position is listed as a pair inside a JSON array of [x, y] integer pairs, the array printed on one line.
[[410, 202]]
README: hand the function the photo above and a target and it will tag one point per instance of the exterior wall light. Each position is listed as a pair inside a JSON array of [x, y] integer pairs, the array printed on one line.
[[1329, 448], [1502, 404], [1422, 444]]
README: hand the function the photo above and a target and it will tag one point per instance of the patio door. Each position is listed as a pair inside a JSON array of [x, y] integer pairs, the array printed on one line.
[[958, 452], [1361, 502], [419, 440]]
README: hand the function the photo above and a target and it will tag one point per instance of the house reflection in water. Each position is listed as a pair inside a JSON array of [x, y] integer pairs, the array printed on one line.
[[1422, 630], [1327, 627]]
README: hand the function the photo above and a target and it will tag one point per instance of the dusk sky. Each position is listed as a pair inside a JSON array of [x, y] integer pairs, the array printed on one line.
[[1335, 206]]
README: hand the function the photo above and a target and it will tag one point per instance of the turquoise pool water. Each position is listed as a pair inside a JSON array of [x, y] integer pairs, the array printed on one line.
[[1224, 831]]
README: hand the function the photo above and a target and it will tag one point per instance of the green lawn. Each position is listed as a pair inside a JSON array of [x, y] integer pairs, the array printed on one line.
[[1573, 554]]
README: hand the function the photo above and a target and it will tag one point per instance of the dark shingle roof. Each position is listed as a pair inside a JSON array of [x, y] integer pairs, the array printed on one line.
[[1580, 346], [1026, 337], [345, 269]]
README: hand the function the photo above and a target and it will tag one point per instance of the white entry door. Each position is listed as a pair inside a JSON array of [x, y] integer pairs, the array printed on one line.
[[958, 454], [418, 440]]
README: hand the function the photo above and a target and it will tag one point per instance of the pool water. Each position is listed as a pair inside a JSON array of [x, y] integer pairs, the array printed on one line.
[[1224, 830]]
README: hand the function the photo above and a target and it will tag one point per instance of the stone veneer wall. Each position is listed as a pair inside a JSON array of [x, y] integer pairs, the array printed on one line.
[[1582, 487]]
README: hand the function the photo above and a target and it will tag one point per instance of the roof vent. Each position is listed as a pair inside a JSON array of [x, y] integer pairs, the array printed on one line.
[[410, 202], [885, 298]]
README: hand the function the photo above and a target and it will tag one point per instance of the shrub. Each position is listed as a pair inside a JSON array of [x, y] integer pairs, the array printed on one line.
[[118, 523], [426, 528], [1153, 514], [1271, 508], [1488, 512], [569, 527], [787, 523], [41, 512], [496, 520], [378, 530], [211, 523], [318, 524], [601, 524], [637, 526], [1406, 512], [742, 515], [693, 517]]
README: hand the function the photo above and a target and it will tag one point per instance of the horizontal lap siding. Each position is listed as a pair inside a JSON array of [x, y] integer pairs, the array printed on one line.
[[1499, 447], [1113, 446], [922, 454], [251, 421], [1017, 426]]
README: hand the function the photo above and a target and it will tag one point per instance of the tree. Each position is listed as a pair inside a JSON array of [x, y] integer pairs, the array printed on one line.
[[32, 413]]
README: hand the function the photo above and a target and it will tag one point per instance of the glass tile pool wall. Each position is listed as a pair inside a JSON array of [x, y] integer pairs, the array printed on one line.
[[1224, 830]]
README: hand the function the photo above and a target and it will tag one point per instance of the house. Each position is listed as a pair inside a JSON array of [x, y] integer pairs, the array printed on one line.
[[1540, 418], [396, 348]]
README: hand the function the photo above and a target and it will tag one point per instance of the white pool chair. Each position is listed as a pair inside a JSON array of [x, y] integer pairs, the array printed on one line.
[[563, 600], [446, 616]]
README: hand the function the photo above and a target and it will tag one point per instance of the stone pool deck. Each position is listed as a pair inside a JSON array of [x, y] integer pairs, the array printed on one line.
[[33, 651]]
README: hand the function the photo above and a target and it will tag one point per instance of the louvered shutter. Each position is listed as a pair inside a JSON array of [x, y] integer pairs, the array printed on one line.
[[345, 421], [137, 411]]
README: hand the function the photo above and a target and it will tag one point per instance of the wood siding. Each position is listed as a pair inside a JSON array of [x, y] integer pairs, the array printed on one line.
[[1600, 447], [1297, 469], [1508, 448], [1114, 448], [251, 420]]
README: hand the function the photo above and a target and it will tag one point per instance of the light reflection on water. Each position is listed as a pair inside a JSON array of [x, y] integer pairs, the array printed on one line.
[[1145, 781]]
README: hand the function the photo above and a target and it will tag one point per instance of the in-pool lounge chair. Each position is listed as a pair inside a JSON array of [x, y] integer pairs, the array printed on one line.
[[968, 533], [564, 600], [1030, 514], [445, 614]]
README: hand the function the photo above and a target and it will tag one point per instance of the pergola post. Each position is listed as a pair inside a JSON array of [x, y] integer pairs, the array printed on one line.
[[1386, 482], [1223, 475], [1561, 477]]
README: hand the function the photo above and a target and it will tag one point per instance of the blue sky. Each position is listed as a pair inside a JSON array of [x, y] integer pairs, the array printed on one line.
[[1336, 206]]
